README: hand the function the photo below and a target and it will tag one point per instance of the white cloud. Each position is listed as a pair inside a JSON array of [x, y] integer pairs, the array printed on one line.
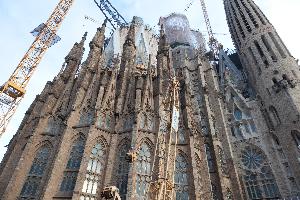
[[18, 18]]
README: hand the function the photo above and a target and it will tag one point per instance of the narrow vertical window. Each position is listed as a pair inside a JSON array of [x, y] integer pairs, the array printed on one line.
[[277, 45], [94, 172], [296, 136], [35, 175], [123, 170], [274, 116], [181, 178], [250, 14], [255, 61], [248, 27], [268, 47], [143, 168], [257, 13], [209, 158], [73, 165], [261, 53], [237, 21]]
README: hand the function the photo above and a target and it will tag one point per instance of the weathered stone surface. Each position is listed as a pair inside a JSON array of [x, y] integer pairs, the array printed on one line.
[[108, 121]]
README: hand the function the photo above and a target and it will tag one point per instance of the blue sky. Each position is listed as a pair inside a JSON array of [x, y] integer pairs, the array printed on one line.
[[19, 17]]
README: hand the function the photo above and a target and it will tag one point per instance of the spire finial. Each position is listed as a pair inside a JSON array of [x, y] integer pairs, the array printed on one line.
[[84, 37]]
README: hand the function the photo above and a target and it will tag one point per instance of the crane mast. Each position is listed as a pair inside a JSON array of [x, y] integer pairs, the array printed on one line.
[[111, 13], [12, 92], [213, 42]]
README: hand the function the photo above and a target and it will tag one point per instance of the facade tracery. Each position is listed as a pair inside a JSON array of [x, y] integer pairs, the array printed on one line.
[[94, 172], [71, 171], [181, 178], [122, 169], [258, 176], [143, 168], [32, 184]]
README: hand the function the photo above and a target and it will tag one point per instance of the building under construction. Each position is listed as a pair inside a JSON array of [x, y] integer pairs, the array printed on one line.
[[158, 118]]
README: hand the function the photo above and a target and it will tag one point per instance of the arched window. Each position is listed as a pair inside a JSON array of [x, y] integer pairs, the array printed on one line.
[[259, 179], [238, 115], [35, 175], [123, 170], [94, 172], [143, 168], [181, 178], [73, 165]]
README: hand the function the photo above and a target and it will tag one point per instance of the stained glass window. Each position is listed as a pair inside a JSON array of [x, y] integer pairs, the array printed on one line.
[[259, 179], [94, 172], [252, 185], [143, 167], [238, 114], [181, 178], [122, 171], [252, 158], [35, 175], [73, 165], [268, 184]]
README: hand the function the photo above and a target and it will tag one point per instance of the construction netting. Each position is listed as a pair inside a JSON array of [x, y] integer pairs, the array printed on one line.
[[177, 29]]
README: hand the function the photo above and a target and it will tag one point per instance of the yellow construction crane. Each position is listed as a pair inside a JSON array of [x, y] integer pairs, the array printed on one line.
[[12, 92]]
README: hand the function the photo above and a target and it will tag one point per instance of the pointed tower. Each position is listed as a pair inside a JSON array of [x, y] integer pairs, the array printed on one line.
[[274, 74]]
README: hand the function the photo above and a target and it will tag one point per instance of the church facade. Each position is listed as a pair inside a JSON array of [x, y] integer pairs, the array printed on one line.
[[155, 117]]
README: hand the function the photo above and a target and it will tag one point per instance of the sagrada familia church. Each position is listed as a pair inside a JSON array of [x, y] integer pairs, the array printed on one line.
[[153, 117]]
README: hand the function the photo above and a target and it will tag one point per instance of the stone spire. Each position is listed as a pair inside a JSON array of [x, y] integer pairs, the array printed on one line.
[[76, 52], [73, 60], [99, 37], [127, 65]]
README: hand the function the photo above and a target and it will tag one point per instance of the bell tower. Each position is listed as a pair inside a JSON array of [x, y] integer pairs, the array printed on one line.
[[272, 71]]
